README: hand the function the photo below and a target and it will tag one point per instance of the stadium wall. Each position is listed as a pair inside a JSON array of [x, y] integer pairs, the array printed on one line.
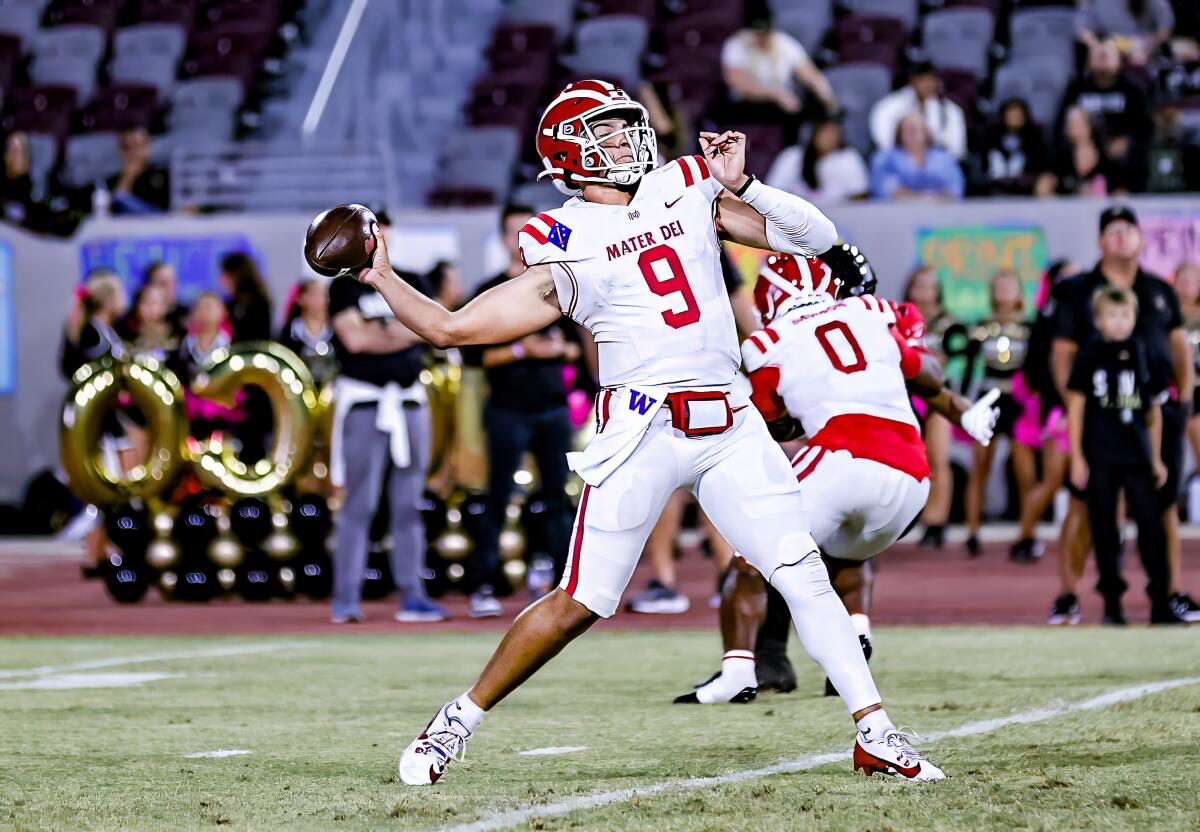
[[967, 240]]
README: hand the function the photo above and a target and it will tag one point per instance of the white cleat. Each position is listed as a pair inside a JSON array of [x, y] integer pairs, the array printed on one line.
[[892, 754], [444, 739]]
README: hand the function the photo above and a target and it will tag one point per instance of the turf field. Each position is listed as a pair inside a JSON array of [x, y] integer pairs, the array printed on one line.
[[1057, 729]]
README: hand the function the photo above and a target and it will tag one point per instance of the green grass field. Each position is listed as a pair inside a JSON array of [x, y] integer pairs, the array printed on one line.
[[324, 720]]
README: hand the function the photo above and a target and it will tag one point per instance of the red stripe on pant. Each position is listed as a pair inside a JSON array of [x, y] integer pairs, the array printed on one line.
[[579, 526], [808, 469]]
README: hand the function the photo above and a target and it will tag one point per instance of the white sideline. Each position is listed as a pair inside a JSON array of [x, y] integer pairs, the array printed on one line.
[[513, 817], [118, 661]]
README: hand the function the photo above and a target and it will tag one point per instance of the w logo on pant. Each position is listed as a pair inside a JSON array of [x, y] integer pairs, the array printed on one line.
[[640, 402]]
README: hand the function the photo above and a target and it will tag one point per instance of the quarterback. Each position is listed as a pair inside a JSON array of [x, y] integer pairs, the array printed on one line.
[[633, 255]]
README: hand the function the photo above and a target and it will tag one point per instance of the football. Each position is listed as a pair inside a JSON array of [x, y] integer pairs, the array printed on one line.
[[339, 240]]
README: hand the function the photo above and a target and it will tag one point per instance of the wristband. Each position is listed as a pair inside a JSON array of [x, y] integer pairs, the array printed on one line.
[[518, 351], [750, 180]]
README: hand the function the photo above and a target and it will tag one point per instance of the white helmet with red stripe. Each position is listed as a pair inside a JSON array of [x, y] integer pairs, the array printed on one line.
[[572, 152], [784, 279]]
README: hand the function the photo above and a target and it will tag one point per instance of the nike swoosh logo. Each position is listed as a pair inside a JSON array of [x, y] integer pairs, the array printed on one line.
[[911, 771], [671, 204]]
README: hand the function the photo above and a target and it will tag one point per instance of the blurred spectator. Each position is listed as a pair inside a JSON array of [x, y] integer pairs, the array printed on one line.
[[146, 329], [1080, 166], [140, 188], [826, 170], [1046, 428], [762, 66], [1118, 110], [91, 329], [526, 410], [207, 332], [924, 290], [1008, 311], [1174, 154], [915, 168], [162, 276], [923, 94], [381, 433], [1014, 151], [445, 284], [249, 301], [1178, 76], [306, 330], [17, 204], [1138, 27], [1187, 285]]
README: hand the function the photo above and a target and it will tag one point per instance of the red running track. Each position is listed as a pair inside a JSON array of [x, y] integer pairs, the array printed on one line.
[[44, 595]]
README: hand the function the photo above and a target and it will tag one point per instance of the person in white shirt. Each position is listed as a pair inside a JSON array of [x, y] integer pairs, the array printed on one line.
[[761, 65], [922, 94], [825, 170]]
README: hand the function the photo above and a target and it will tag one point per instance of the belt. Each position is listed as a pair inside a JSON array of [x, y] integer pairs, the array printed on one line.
[[680, 404]]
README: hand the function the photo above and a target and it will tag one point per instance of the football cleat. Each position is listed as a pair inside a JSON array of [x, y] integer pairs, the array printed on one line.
[[893, 755], [713, 691], [444, 739]]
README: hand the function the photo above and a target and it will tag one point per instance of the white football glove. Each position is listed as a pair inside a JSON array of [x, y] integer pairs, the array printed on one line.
[[979, 420]]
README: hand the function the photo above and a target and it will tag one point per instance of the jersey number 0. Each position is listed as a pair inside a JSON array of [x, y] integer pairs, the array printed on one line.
[[677, 282], [843, 342]]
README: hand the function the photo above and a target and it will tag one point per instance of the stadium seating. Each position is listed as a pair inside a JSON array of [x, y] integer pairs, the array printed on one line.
[[858, 87], [808, 21], [959, 39], [1038, 81]]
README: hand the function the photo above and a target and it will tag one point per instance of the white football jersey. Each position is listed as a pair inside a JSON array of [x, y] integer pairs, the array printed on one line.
[[645, 279], [831, 358]]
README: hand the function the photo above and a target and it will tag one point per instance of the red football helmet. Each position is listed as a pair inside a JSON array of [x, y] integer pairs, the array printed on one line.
[[910, 323], [783, 278], [573, 153]]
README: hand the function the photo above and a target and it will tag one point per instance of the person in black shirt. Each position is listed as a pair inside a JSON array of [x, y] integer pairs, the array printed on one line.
[[163, 276], [1160, 327], [140, 187], [381, 428], [248, 300], [306, 329], [1014, 152], [1116, 435], [1118, 109], [526, 410]]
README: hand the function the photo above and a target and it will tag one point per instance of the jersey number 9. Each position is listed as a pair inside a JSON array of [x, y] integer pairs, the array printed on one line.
[[677, 282]]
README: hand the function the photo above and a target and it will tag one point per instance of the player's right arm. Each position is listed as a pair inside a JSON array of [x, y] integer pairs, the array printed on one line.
[[516, 308]]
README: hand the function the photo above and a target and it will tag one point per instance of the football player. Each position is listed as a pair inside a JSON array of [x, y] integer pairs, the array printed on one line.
[[633, 255], [836, 362]]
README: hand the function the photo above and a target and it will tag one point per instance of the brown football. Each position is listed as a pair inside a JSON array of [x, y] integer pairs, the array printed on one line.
[[339, 241]]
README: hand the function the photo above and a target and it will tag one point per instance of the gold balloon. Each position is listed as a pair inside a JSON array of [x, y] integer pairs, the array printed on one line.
[[226, 578], [280, 545], [512, 543], [95, 387], [453, 544], [442, 382], [162, 553], [514, 570], [226, 551], [289, 386]]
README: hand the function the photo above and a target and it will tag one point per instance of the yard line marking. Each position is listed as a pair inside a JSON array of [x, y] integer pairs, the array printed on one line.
[[220, 752], [187, 655], [78, 681], [513, 817], [553, 749]]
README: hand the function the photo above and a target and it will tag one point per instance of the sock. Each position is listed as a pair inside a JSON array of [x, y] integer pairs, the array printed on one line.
[[738, 667], [874, 725], [862, 624], [825, 630], [470, 713]]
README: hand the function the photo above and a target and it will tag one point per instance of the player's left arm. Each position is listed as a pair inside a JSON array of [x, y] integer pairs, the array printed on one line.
[[755, 214]]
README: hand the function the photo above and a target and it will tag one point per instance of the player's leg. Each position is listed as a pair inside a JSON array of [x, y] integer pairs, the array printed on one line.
[[1103, 488], [766, 525], [743, 608], [611, 527], [662, 597], [366, 453], [854, 582]]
